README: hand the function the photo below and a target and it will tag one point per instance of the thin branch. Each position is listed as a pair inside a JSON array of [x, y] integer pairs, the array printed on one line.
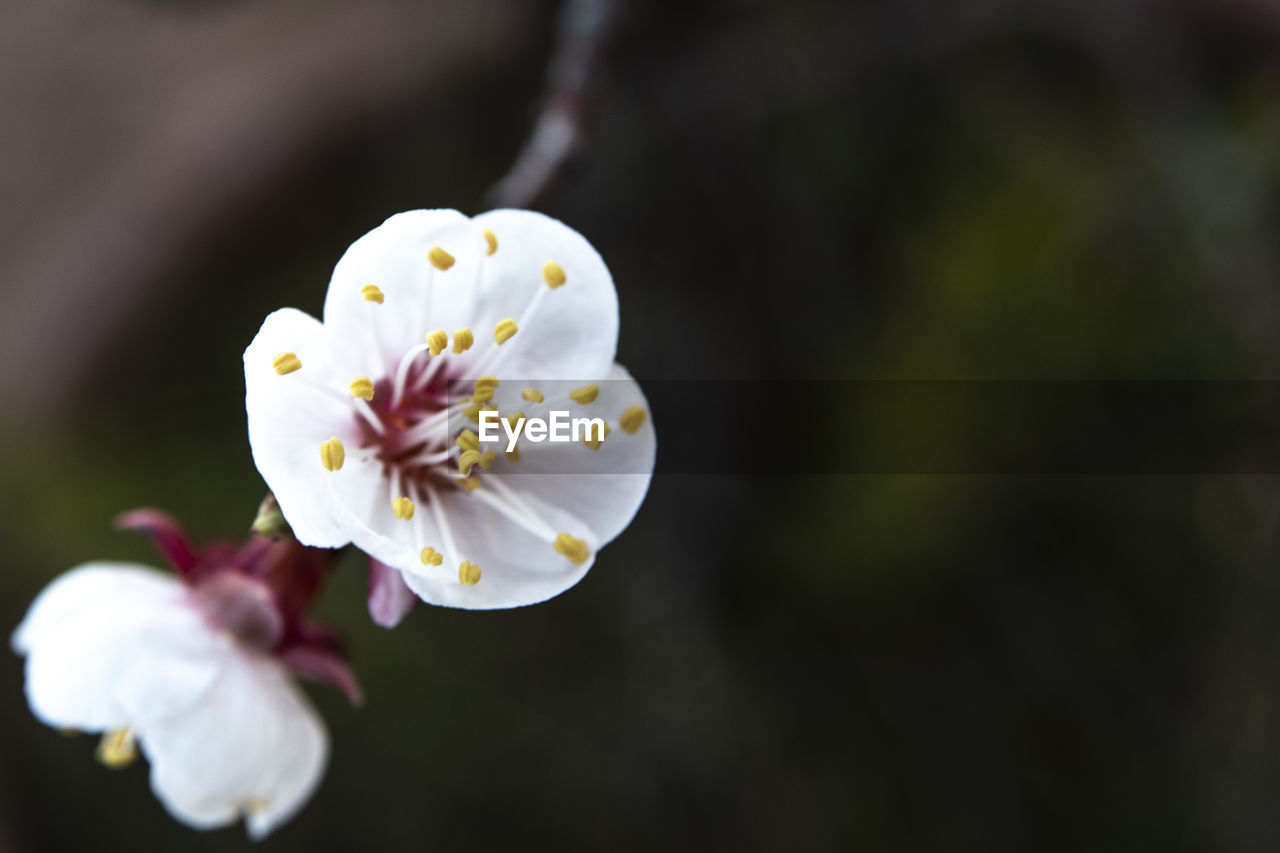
[[573, 91]]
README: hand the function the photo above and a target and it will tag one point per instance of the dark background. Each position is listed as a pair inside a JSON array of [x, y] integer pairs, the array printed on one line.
[[877, 190]]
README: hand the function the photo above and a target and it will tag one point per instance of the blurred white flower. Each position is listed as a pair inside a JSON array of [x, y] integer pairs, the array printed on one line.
[[128, 651], [363, 425], [191, 672]]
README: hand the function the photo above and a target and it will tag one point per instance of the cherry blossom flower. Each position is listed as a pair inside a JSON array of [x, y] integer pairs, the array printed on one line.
[[364, 426], [191, 671]]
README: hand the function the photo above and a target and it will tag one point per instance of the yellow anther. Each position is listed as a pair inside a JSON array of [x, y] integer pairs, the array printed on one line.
[[117, 749], [469, 483], [361, 386], [473, 411], [553, 274], [469, 573], [468, 440], [467, 461], [437, 341], [486, 459], [431, 557], [533, 395], [482, 395], [489, 382], [575, 550], [504, 331], [402, 509], [632, 419], [371, 293], [513, 455], [286, 362], [254, 805], [514, 418], [491, 241], [332, 455], [585, 394], [595, 436], [462, 340], [440, 259]]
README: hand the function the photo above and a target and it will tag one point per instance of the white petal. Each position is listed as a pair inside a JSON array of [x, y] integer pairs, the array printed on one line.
[[369, 338], [291, 416], [70, 593], [518, 567], [569, 332], [115, 645], [603, 488], [253, 746]]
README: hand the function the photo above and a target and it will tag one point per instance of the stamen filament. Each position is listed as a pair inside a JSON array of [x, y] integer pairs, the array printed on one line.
[[437, 513], [542, 530], [488, 362], [428, 555], [345, 399], [425, 459], [431, 427], [534, 525], [402, 371], [426, 376], [370, 416]]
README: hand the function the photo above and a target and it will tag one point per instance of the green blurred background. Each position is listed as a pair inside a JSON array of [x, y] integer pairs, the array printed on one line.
[[886, 189]]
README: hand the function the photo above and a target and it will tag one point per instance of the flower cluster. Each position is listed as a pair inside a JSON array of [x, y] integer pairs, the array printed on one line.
[[364, 427]]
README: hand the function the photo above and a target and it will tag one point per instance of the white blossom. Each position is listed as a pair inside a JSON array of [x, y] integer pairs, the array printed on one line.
[[363, 425], [134, 654]]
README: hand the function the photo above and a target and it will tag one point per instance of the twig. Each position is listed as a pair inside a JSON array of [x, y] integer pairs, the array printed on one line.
[[573, 90]]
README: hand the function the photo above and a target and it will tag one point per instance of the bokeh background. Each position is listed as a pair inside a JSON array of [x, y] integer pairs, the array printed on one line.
[[803, 190]]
